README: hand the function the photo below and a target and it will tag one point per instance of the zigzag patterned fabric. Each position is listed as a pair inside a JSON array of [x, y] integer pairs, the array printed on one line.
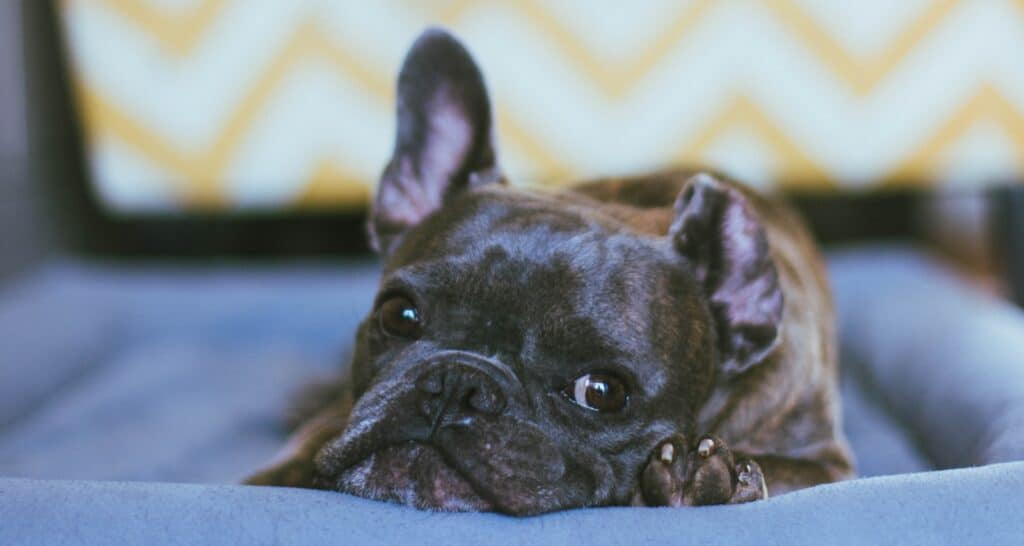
[[234, 104]]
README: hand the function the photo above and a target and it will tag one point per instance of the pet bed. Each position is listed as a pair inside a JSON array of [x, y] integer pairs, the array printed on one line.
[[132, 400]]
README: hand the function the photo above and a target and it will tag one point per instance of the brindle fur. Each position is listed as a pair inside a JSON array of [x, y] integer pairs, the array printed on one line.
[[545, 285], [784, 414]]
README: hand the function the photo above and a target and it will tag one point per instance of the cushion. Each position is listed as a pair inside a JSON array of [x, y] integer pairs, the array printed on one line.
[[943, 358], [966, 506]]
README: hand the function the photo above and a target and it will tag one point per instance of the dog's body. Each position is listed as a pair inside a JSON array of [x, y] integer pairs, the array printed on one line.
[[662, 340]]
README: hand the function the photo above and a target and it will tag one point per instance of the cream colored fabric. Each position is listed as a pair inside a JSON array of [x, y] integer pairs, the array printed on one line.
[[279, 104]]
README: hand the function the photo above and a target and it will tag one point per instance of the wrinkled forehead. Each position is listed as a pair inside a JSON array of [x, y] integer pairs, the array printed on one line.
[[572, 276], [528, 241]]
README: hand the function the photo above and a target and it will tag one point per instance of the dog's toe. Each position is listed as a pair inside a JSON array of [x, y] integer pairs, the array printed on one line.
[[661, 481], [712, 474], [750, 483]]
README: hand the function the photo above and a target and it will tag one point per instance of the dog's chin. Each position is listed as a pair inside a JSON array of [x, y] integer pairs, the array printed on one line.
[[414, 474]]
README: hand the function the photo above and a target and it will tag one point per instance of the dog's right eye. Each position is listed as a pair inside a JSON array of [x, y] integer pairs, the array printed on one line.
[[597, 392], [399, 317]]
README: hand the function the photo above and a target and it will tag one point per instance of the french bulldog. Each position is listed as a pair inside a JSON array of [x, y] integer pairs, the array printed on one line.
[[659, 340]]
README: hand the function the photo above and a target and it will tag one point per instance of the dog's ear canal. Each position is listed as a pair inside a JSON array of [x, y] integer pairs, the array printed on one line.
[[444, 142], [721, 237]]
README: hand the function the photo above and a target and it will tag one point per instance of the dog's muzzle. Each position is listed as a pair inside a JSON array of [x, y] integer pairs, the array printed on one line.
[[449, 389]]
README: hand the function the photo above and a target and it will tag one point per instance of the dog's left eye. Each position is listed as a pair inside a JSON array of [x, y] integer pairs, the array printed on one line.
[[597, 392], [400, 317]]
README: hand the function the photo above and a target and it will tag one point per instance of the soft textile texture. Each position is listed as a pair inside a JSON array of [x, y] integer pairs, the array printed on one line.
[[947, 360], [165, 373], [968, 506], [47, 343], [182, 374]]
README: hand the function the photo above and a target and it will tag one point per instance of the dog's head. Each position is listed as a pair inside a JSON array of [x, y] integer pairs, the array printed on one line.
[[526, 351]]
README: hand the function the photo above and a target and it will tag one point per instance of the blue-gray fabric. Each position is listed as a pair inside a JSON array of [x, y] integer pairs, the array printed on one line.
[[947, 360], [961, 507], [181, 374]]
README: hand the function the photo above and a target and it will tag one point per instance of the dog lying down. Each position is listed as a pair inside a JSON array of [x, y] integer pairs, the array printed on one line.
[[659, 340]]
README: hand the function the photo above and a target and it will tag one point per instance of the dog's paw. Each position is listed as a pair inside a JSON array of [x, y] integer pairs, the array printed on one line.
[[678, 473]]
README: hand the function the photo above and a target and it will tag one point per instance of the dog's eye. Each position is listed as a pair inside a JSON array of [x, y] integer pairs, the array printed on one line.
[[598, 392], [400, 317]]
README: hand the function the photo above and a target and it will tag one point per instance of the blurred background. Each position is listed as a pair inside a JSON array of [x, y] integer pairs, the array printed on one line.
[[183, 183], [198, 117], [213, 104]]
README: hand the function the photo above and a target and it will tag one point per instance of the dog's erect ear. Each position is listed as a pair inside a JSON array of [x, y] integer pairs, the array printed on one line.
[[444, 143], [716, 229]]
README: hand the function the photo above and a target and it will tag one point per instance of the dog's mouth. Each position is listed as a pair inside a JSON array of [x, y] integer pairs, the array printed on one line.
[[491, 463], [411, 473]]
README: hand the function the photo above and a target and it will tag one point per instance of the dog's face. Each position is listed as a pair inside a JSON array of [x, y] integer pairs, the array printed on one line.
[[521, 357], [525, 352]]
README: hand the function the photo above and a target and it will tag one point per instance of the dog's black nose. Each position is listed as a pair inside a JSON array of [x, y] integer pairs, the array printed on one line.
[[454, 393]]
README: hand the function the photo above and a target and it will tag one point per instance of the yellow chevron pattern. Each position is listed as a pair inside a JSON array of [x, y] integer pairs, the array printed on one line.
[[229, 104]]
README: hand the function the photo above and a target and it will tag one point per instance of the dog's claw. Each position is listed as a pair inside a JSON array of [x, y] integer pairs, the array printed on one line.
[[668, 453], [706, 447]]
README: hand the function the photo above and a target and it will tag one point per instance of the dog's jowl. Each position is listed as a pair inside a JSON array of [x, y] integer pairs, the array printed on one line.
[[658, 340]]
